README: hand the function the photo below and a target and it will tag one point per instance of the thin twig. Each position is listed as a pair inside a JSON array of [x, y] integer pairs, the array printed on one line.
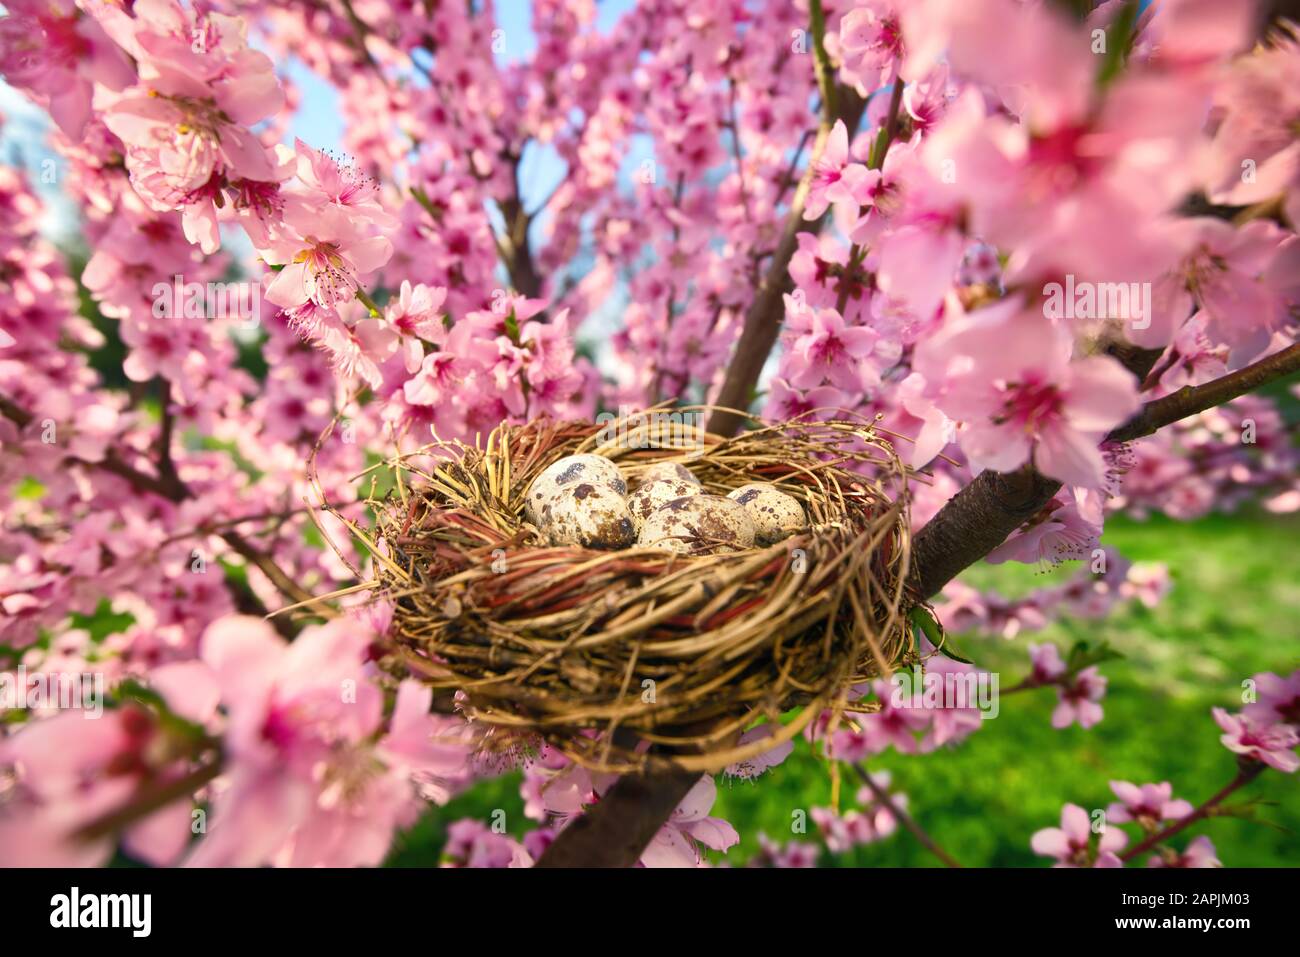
[[1246, 774], [145, 804], [883, 796]]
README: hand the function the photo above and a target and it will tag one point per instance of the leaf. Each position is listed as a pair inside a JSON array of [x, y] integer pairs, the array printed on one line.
[[512, 327], [924, 619], [1084, 655], [1118, 40]]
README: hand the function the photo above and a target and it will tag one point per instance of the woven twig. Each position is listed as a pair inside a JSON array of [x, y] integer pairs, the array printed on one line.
[[599, 653]]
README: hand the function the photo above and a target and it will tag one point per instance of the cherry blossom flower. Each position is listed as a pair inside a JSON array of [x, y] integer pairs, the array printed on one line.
[[1072, 843], [1148, 804], [835, 179], [828, 350], [307, 782], [677, 842], [1077, 699], [1199, 852], [1278, 701], [1273, 744], [324, 255], [1011, 381], [53, 51]]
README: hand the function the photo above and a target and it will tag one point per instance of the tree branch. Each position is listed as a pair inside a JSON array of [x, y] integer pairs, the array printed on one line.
[[980, 517], [170, 486], [616, 830], [883, 796], [1190, 400], [764, 316]]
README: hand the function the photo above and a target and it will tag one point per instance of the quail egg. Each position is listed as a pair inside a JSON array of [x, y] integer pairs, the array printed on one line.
[[706, 522], [652, 496], [593, 516], [666, 471], [775, 514], [568, 471]]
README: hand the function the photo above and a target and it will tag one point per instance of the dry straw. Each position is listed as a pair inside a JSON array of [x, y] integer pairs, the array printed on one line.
[[614, 656]]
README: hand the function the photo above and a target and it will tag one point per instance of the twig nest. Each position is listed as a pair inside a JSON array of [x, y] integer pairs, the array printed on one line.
[[667, 472], [593, 516], [775, 514], [652, 496], [699, 523], [569, 471], [555, 643]]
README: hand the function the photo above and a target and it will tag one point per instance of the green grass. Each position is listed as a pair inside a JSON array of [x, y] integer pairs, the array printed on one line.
[[1234, 611]]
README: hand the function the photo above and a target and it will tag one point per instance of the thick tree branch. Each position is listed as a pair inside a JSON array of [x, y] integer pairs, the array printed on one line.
[[616, 831], [974, 522], [980, 517]]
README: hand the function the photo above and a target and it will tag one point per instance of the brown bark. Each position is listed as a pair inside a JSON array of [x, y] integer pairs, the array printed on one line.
[[980, 517], [616, 831]]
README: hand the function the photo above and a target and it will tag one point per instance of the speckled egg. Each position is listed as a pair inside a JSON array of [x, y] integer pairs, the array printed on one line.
[[593, 516], [666, 471], [775, 514], [650, 497], [567, 472], [702, 523]]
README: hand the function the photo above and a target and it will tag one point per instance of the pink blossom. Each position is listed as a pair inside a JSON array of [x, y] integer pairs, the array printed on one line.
[[1147, 804], [830, 350], [1071, 844], [1077, 699], [755, 766], [1011, 381], [472, 843], [307, 782], [1059, 533], [52, 50], [414, 315], [677, 842], [835, 179], [871, 43], [1199, 852], [1273, 744], [324, 255], [1278, 699], [186, 124], [795, 854]]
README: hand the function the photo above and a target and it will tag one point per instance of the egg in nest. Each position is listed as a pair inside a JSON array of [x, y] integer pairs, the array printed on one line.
[[775, 514], [570, 471], [593, 516], [703, 523], [652, 496], [666, 472]]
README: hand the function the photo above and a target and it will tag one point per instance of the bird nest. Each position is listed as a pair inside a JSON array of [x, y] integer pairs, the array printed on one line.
[[617, 658]]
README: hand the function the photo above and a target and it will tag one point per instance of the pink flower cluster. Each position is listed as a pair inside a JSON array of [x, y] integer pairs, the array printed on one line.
[[1264, 734], [589, 226]]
